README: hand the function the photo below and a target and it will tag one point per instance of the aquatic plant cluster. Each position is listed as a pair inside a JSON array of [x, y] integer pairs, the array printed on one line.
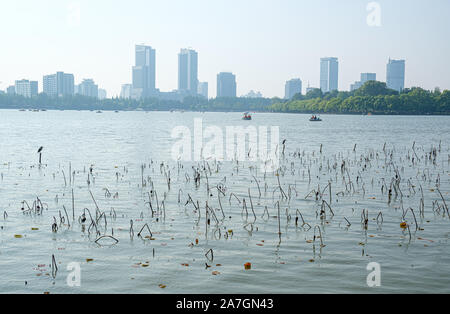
[[231, 218]]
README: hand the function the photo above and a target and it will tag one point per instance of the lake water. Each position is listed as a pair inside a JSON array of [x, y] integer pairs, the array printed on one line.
[[116, 145]]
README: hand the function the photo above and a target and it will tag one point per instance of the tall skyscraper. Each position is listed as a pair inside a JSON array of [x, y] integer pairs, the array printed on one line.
[[226, 85], [329, 74], [26, 88], [188, 71], [126, 91], [102, 94], [395, 75], [365, 77], [203, 89], [88, 88], [11, 90], [144, 72], [293, 87], [59, 84]]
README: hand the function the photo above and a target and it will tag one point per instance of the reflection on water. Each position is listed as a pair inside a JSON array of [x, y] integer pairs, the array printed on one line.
[[170, 255]]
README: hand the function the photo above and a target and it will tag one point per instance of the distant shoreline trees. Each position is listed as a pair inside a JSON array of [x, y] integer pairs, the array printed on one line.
[[373, 97]]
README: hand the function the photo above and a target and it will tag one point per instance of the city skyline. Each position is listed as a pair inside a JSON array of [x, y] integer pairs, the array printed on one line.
[[144, 80], [188, 71], [84, 45]]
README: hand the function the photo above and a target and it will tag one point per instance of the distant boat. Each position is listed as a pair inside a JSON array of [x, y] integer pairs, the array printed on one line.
[[315, 119], [247, 116], [22, 110], [99, 111]]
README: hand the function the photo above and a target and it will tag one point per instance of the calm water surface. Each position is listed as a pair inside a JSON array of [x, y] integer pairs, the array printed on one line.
[[118, 144]]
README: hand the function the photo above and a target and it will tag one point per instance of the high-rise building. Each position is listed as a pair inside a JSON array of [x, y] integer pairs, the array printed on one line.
[[102, 94], [226, 85], [329, 74], [59, 84], [26, 88], [203, 89], [144, 72], [395, 75], [355, 86], [88, 88], [188, 71], [11, 90], [253, 94], [365, 77], [126, 91], [293, 87]]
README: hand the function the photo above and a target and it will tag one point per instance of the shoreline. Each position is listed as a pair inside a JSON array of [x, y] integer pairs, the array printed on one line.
[[231, 111]]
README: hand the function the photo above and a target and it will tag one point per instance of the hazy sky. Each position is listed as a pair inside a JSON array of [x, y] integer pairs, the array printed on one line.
[[263, 42]]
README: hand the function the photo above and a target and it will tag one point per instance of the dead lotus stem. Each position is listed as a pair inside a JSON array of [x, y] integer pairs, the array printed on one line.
[[251, 203], [320, 235], [64, 175], [266, 213], [210, 210], [220, 204], [443, 201], [303, 220], [131, 229], [106, 237], [309, 194], [414, 215], [142, 229], [259, 188], [380, 215], [279, 219], [234, 195], [68, 221], [210, 255], [244, 208], [54, 267], [348, 222], [92, 196], [329, 207], [73, 206]]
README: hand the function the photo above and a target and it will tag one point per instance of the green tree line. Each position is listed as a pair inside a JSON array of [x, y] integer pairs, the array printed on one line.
[[373, 97]]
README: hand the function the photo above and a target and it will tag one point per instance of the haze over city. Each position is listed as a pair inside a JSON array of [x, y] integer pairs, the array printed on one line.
[[264, 43]]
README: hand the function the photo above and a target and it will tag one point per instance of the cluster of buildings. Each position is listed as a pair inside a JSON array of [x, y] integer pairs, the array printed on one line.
[[144, 78], [143, 83], [329, 78], [59, 84]]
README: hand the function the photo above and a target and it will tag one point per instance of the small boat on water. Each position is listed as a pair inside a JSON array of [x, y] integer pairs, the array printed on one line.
[[315, 119], [247, 116]]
